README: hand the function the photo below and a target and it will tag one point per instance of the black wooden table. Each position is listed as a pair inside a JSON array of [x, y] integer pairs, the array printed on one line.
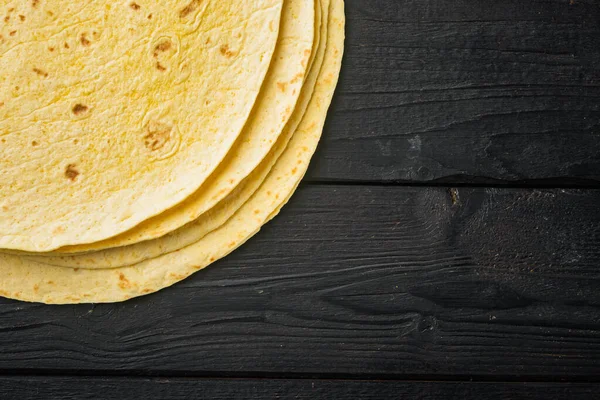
[[445, 243]]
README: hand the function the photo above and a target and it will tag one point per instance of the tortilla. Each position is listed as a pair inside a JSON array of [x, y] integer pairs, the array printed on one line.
[[192, 232], [26, 280], [276, 102], [112, 113]]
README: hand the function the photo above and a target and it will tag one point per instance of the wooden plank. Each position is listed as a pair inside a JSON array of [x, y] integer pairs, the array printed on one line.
[[455, 91], [110, 388], [393, 281]]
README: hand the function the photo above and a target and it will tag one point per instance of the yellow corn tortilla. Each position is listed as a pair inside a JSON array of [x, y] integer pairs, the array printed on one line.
[[111, 113], [29, 281], [192, 232]]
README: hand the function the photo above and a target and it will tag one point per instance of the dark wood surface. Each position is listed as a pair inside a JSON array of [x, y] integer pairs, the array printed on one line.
[[110, 388], [468, 90], [445, 243]]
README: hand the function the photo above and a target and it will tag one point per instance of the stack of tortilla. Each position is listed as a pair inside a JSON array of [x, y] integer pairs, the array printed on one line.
[[141, 141]]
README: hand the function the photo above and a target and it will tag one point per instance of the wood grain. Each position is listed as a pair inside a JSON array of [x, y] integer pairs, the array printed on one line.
[[358, 281], [461, 91], [110, 388]]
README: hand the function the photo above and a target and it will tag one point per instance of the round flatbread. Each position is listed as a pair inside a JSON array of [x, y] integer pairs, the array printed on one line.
[[26, 280], [272, 110], [192, 232], [113, 112]]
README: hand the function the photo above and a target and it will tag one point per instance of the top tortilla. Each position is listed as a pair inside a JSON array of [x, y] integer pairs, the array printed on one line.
[[194, 231], [111, 113], [272, 110]]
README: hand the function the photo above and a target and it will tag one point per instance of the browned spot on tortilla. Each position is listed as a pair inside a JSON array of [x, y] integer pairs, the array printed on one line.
[[157, 135], [224, 49], [40, 72], [160, 67], [67, 45], [149, 16], [134, 6], [1, 104], [282, 86], [269, 193], [7, 18], [147, 291], [190, 8], [256, 211], [162, 47], [21, 17], [232, 244], [36, 288], [123, 281], [294, 171], [58, 230], [4, 208], [34, 143], [50, 282], [212, 259], [79, 109], [35, 3], [71, 173], [84, 40], [177, 276], [297, 78], [12, 33], [299, 161], [51, 49]]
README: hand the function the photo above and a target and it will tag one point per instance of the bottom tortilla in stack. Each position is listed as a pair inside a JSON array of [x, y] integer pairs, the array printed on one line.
[[28, 280]]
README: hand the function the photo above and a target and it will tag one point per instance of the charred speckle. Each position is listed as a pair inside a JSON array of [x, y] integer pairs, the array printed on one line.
[[84, 40], [71, 173], [226, 51], [40, 72], [134, 6], [79, 109], [162, 46], [190, 8]]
